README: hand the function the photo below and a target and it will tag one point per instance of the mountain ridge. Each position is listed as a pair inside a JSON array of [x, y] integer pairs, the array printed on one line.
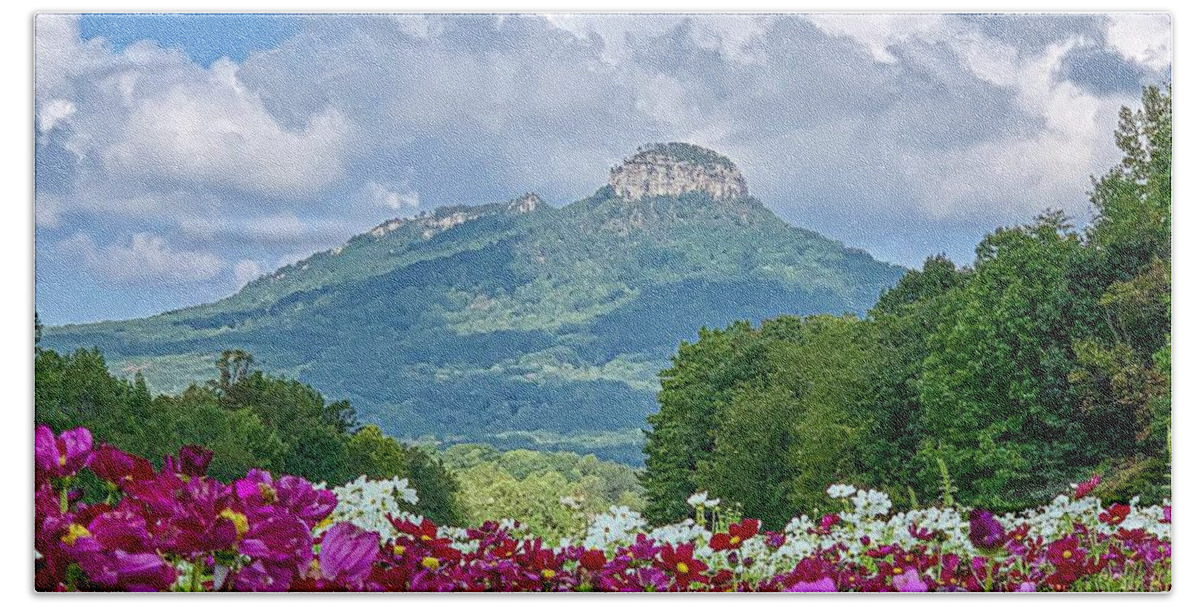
[[511, 319]]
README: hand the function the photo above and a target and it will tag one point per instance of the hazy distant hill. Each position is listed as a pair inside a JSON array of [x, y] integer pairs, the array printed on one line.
[[517, 324]]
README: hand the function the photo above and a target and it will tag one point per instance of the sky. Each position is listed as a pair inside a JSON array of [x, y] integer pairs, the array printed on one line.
[[179, 157]]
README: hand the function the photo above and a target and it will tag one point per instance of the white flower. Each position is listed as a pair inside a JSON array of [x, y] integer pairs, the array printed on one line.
[[701, 499], [366, 503], [841, 491]]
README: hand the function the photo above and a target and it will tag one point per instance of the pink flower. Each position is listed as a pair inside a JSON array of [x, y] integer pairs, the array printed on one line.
[[347, 554], [909, 582], [1085, 488], [821, 585], [61, 456]]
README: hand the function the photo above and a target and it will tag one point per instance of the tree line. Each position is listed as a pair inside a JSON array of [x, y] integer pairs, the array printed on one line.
[[1045, 361], [247, 418]]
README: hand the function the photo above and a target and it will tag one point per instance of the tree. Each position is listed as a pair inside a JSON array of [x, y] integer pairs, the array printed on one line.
[[994, 387], [901, 321], [699, 383]]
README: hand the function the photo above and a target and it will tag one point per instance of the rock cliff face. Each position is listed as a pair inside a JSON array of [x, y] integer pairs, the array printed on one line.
[[673, 169]]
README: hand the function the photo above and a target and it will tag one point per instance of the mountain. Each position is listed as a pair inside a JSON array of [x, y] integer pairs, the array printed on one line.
[[517, 323]]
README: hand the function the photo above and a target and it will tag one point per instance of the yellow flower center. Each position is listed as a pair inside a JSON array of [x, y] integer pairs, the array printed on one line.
[[267, 492], [74, 533], [399, 550], [239, 521], [897, 571], [733, 540], [426, 538], [62, 460], [430, 562], [682, 568], [1067, 554], [325, 523], [547, 573]]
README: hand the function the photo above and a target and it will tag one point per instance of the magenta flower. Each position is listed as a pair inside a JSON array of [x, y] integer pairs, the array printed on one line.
[[61, 456], [192, 461], [909, 582], [118, 570], [986, 531], [116, 553], [281, 539], [810, 574], [299, 497], [263, 576], [347, 553], [821, 585], [198, 517]]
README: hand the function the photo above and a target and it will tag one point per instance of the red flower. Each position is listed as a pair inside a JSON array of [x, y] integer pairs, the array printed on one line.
[[117, 466], [738, 533], [426, 531], [1068, 562], [1115, 514], [678, 560], [593, 559]]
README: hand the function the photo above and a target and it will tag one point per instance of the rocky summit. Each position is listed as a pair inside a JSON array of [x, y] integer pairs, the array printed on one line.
[[515, 323], [672, 169]]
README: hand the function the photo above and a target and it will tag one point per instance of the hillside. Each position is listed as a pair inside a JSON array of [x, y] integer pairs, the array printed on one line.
[[517, 324]]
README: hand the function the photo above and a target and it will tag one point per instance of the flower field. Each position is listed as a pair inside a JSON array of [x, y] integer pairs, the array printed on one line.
[[176, 529]]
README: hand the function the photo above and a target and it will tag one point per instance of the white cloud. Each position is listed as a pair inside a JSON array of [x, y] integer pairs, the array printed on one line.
[[56, 44], [150, 117], [146, 260], [1021, 176], [247, 270], [274, 229], [396, 198], [877, 31], [216, 132], [417, 26], [1141, 37], [53, 113]]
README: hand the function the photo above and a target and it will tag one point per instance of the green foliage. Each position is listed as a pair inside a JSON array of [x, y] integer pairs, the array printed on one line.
[[994, 388], [688, 153], [765, 419], [551, 492], [249, 419], [703, 378], [997, 385]]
